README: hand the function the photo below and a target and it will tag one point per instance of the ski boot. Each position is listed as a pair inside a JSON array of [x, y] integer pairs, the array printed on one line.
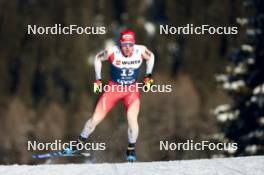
[[131, 153], [73, 149]]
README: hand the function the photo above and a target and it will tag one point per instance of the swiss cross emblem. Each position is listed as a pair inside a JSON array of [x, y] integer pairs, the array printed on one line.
[[118, 62]]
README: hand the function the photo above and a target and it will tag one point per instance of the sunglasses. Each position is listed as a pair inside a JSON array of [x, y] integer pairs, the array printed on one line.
[[127, 44]]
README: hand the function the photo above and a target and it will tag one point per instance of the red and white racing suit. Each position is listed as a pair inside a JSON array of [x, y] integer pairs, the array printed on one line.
[[124, 72]]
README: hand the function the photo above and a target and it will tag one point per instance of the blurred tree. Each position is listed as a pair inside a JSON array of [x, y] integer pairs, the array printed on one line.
[[46, 80], [242, 122]]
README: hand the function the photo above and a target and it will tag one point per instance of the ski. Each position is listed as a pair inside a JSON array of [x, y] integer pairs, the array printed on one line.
[[60, 154]]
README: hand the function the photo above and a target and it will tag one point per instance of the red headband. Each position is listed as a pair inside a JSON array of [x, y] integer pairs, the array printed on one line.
[[127, 36]]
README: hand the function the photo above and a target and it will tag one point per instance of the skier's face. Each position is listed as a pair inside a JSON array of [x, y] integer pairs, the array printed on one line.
[[127, 48]]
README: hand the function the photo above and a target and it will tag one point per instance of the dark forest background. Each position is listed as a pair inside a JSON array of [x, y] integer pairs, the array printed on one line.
[[46, 90]]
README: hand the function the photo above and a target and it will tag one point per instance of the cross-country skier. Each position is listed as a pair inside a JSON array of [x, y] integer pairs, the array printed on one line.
[[125, 61]]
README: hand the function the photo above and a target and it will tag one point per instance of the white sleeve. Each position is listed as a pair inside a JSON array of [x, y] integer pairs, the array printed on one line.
[[149, 57], [101, 56], [150, 65]]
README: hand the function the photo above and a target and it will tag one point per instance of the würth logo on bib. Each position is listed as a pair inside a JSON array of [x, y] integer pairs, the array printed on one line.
[[131, 62]]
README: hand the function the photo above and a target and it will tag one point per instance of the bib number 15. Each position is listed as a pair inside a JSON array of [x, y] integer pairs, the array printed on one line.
[[127, 72]]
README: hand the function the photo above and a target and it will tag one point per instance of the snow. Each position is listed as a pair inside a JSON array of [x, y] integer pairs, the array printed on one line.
[[253, 31], [150, 28], [250, 60], [222, 108], [259, 89], [231, 115], [261, 121], [247, 47], [221, 78], [234, 85], [241, 68], [242, 21], [252, 149], [253, 165]]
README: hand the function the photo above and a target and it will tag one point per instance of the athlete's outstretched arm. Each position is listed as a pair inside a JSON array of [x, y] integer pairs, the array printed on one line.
[[99, 58], [149, 57]]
